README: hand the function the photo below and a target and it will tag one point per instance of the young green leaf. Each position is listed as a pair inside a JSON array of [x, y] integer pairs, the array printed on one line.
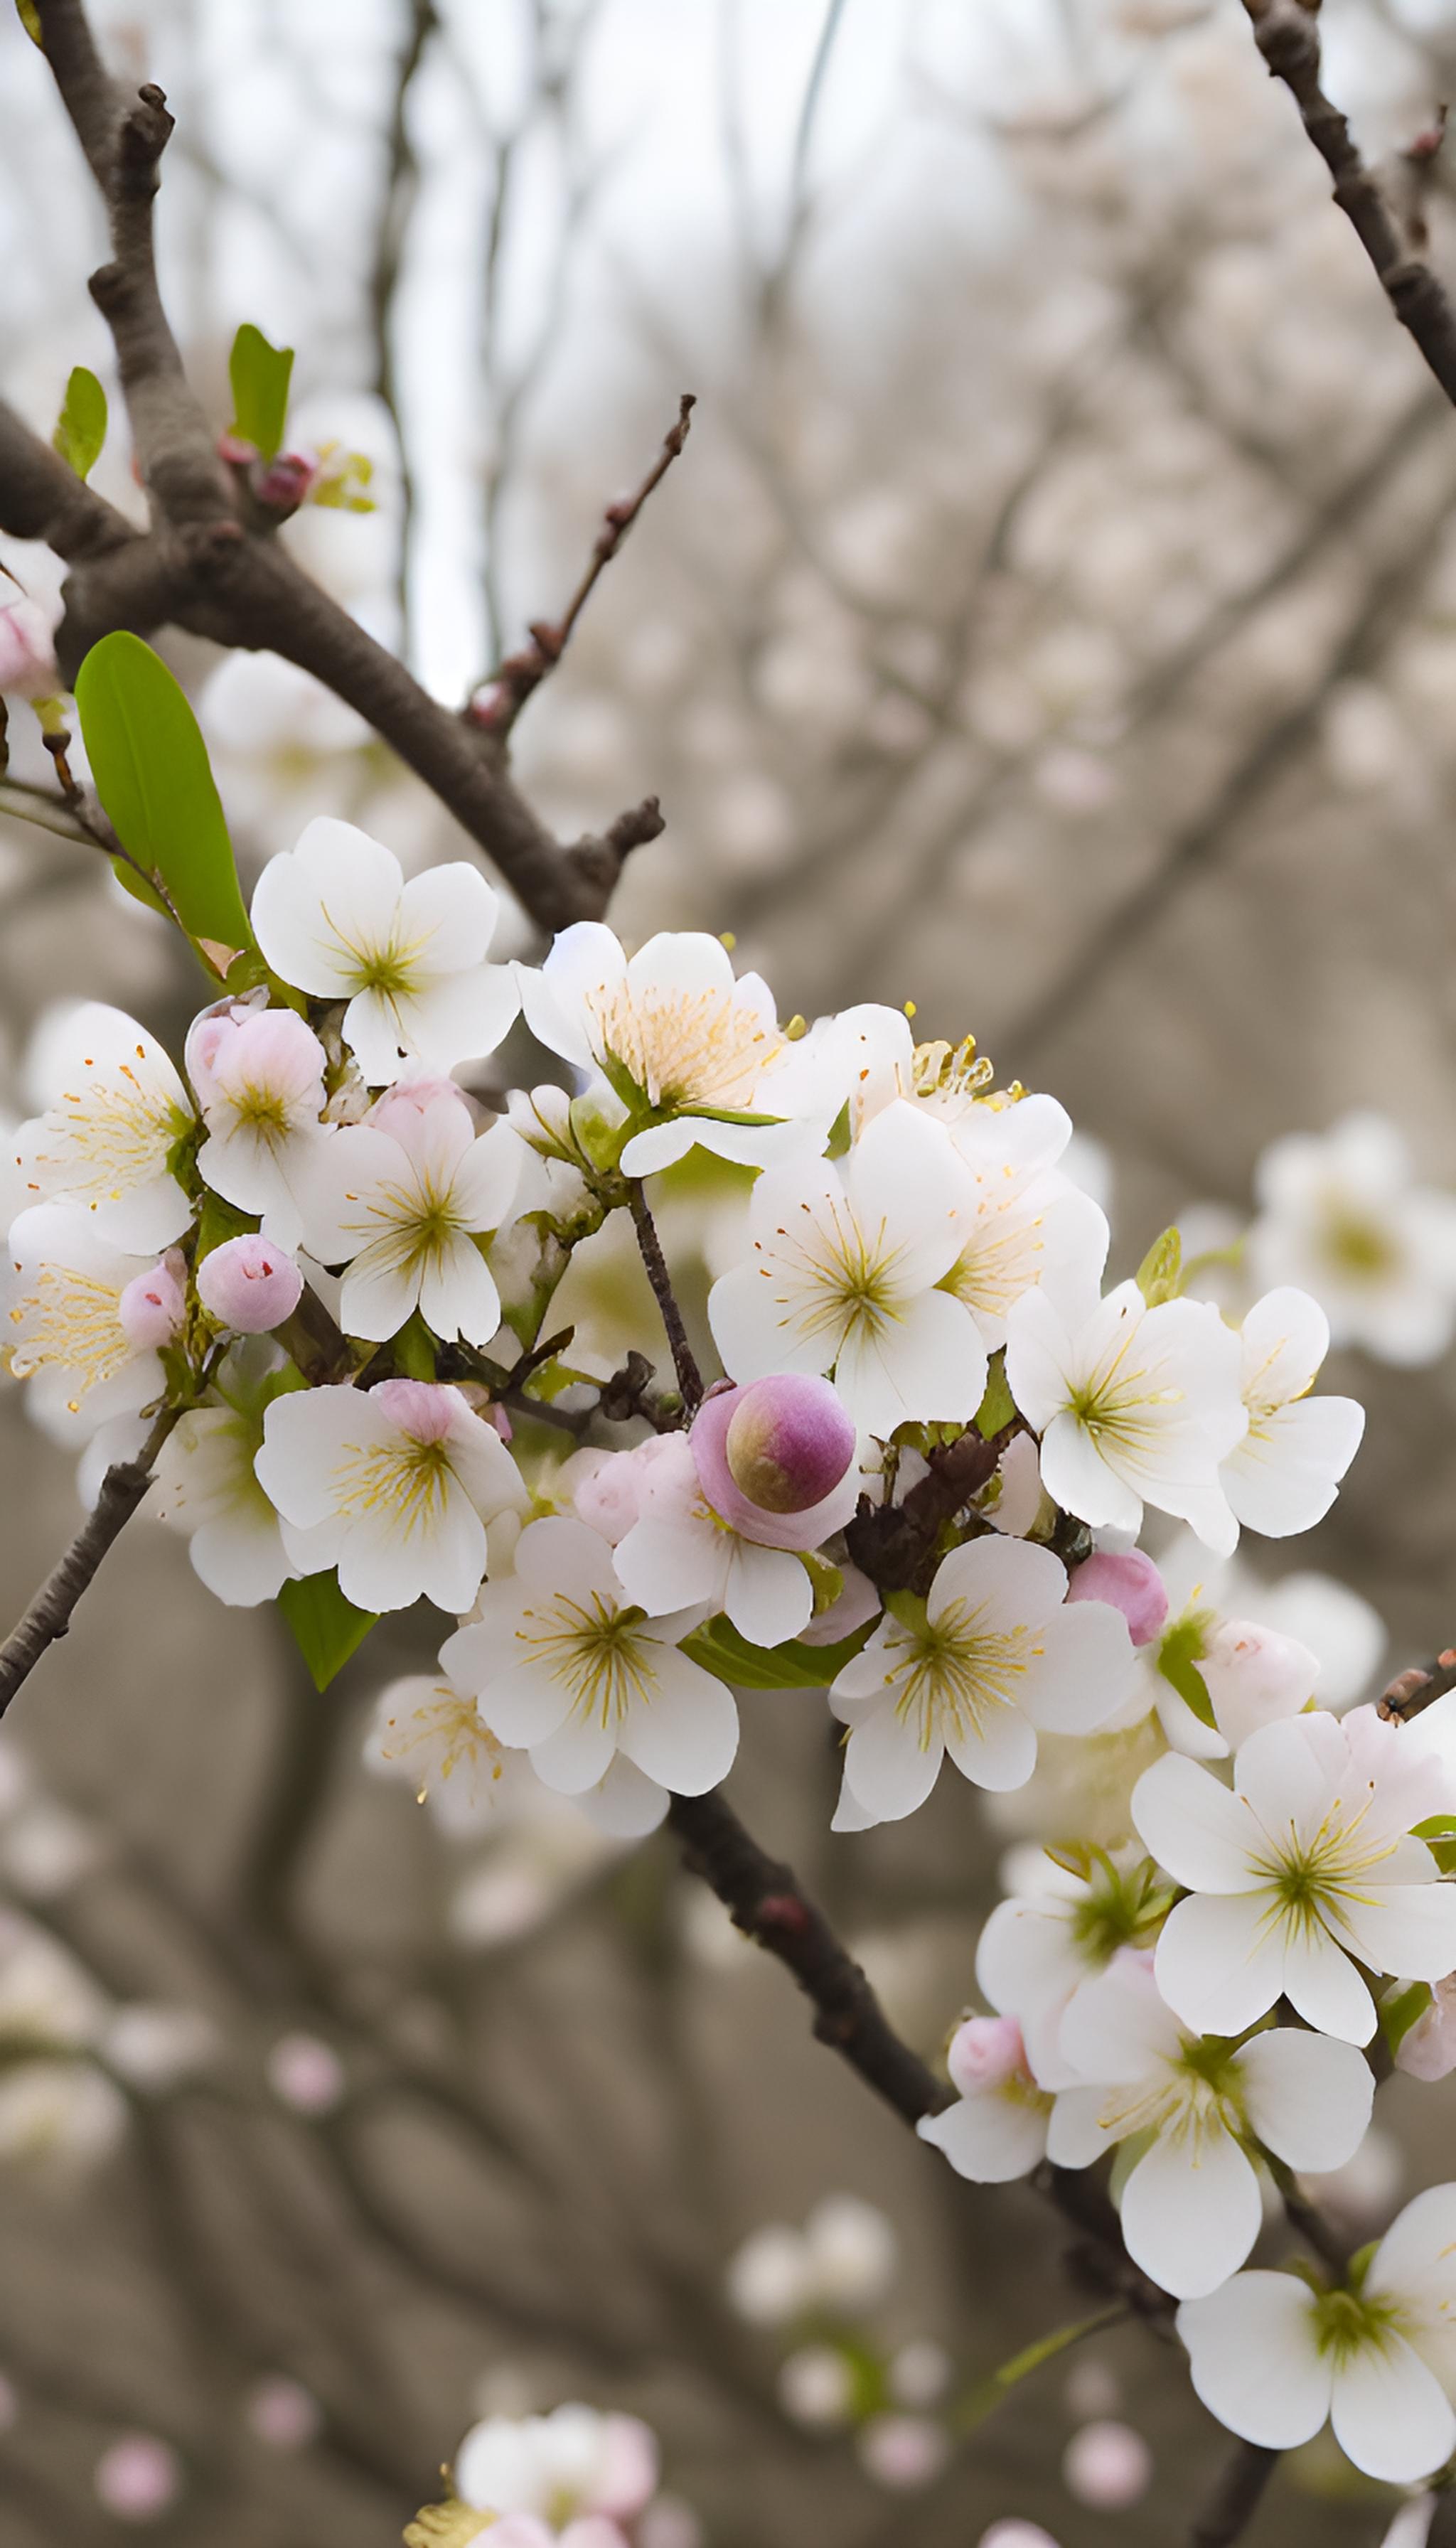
[[730, 1658], [80, 428], [152, 775], [998, 1407], [1160, 1274], [30, 18], [327, 1628], [260, 374]]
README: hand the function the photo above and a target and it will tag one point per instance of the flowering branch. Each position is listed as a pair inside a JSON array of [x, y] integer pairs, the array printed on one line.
[[685, 1362], [1288, 36], [506, 690], [49, 1614]]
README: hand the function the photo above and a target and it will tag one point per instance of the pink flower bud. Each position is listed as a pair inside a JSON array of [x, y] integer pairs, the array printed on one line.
[[152, 1306], [789, 1440], [1130, 1584], [284, 484], [305, 2073], [796, 1435], [249, 1285], [28, 666], [1107, 2466], [985, 2052], [207, 1035], [1253, 1675], [1428, 2051], [905, 2451]]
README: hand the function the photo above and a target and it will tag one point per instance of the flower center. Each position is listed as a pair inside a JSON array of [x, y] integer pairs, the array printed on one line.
[[959, 1673], [686, 1047], [1355, 1244], [597, 1652], [261, 1110], [1351, 2323], [408, 1480], [70, 1320]]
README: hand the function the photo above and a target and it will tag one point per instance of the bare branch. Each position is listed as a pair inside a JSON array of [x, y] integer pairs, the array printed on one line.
[[1235, 2498], [397, 203], [1288, 36], [42, 499], [497, 706], [684, 1361], [49, 1614]]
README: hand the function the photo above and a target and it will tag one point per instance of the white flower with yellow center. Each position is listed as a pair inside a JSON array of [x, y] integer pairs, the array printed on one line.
[[403, 1202], [207, 1488], [1342, 1216], [1190, 2203], [65, 1330], [564, 1665], [1273, 2358], [336, 917], [1302, 1874], [394, 1486], [994, 1656], [842, 1273], [1134, 1405], [1282, 1478], [428, 1733], [1029, 1225], [680, 1038], [117, 1109], [259, 1073]]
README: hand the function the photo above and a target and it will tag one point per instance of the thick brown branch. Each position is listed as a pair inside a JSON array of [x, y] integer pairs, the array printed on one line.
[[1288, 36], [499, 704], [42, 499], [49, 1614], [1235, 2498]]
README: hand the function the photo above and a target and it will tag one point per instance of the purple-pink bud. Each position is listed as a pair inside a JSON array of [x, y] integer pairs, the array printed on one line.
[[249, 1285], [152, 1305], [286, 481], [985, 2052], [788, 1441], [1130, 1583]]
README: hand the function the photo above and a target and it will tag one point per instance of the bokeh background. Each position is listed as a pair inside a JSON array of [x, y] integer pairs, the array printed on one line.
[[1053, 622]]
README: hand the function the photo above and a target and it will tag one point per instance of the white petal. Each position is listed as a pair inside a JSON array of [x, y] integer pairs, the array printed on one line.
[[447, 918], [575, 1757], [1254, 2360], [1308, 2096], [669, 1565], [627, 1804], [998, 1752], [1284, 1338], [989, 2139], [1081, 2130], [1283, 1476], [927, 1366], [1010, 1584], [685, 1733], [1118, 2028], [1407, 1929], [768, 1597], [888, 1766], [378, 1295], [1329, 1991], [1390, 2413], [457, 1018], [1077, 1476], [1085, 1670], [1217, 1963], [1190, 1823], [458, 1295], [1191, 2211], [335, 871]]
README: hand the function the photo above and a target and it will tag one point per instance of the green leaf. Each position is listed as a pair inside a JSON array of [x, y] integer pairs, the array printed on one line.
[[1402, 2010], [217, 1223], [30, 18], [998, 1407], [1178, 1659], [260, 374], [80, 428], [1160, 1274], [721, 1650], [152, 775], [326, 1627], [415, 1349], [1436, 1827]]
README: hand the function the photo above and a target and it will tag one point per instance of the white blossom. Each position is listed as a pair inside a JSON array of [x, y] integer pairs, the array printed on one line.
[[104, 1140], [64, 1325], [1342, 1216], [680, 1553], [404, 1210], [564, 1665], [575, 2461], [1284, 1475], [1134, 1404], [996, 1655], [428, 1733], [1274, 2358], [393, 1485], [259, 1073], [1303, 1872], [336, 918], [842, 1278], [998, 2126]]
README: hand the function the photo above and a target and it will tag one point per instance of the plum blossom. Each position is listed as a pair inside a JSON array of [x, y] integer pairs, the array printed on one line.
[[1190, 2203], [1300, 1875], [108, 1133], [250, 1284], [1029, 1225], [1134, 1404], [406, 1207], [65, 1328], [995, 1656], [565, 1666], [429, 1733], [393, 1485], [258, 1074], [336, 917], [1042, 1948], [842, 2261], [682, 1042], [997, 2127], [1274, 2358], [842, 1273], [1342, 1216], [575, 2467], [680, 1554], [1283, 1476], [206, 1487]]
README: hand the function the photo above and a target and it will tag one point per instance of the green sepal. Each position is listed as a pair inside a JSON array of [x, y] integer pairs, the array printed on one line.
[[1160, 1277], [721, 1115], [1402, 2010], [80, 428], [730, 1658], [1178, 1660], [325, 1627], [415, 1349], [998, 1407], [153, 778], [219, 1222], [30, 18], [827, 1580], [260, 374]]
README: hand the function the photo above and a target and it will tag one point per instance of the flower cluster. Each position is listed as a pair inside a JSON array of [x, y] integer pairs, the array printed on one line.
[[573, 2479], [317, 1277]]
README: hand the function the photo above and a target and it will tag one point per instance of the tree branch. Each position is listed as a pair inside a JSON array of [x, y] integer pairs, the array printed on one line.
[[49, 1614], [684, 1361], [1235, 2498], [1288, 36]]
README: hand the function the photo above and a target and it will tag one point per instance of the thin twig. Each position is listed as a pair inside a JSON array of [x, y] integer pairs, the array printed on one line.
[[49, 1614], [685, 1363], [497, 706], [1418, 1687], [396, 205]]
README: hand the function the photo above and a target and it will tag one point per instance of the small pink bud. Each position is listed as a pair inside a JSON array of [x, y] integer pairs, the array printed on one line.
[[286, 481], [402, 1109], [790, 1442], [985, 2052], [305, 2073], [1129, 1582], [139, 2478], [905, 2451], [28, 666], [283, 2413], [1429, 2050], [152, 1305], [1253, 1675], [249, 1285]]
